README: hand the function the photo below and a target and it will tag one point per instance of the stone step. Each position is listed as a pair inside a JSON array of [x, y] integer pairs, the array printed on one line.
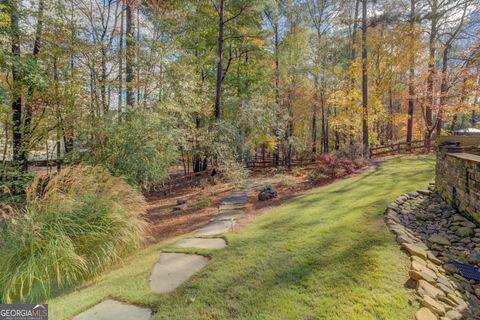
[[111, 309], [232, 206], [172, 269], [234, 201], [216, 243], [235, 198], [215, 228], [229, 214]]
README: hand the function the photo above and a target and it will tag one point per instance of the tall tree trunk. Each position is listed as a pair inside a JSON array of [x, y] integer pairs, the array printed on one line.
[[324, 124], [137, 54], [431, 72], [120, 59], [364, 80], [389, 133], [18, 154], [130, 56], [276, 151], [443, 90], [411, 77], [28, 113], [221, 26], [103, 80], [352, 79]]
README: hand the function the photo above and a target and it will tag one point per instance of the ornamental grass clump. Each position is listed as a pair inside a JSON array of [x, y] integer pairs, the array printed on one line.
[[75, 224]]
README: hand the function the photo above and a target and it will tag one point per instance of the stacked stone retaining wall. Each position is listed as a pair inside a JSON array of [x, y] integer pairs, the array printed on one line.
[[457, 180]]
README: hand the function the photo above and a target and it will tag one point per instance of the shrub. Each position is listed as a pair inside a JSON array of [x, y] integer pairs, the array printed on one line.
[[203, 202], [297, 171], [13, 185], [315, 176], [330, 164], [74, 225], [141, 147], [234, 172], [285, 181]]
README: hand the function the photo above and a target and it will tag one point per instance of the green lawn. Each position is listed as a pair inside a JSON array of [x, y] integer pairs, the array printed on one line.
[[324, 255]]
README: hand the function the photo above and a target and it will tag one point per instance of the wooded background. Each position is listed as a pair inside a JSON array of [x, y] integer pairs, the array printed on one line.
[[137, 86]]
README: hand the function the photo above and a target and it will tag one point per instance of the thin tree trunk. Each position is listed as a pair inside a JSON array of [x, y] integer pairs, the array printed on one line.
[[120, 59], [443, 90], [324, 125], [27, 122], [137, 52], [364, 80], [411, 75], [431, 73], [103, 80], [314, 128], [18, 154], [389, 133], [130, 56], [352, 79], [221, 26]]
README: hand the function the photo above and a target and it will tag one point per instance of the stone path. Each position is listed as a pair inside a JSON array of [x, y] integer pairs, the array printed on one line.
[[111, 309], [201, 243], [172, 269], [216, 228]]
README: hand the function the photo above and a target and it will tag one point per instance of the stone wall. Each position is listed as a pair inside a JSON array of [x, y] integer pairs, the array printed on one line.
[[457, 179]]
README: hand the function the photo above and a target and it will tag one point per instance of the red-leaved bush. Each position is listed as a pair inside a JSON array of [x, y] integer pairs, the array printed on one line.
[[330, 165]]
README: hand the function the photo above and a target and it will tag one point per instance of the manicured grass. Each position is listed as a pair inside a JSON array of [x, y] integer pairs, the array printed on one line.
[[324, 255]]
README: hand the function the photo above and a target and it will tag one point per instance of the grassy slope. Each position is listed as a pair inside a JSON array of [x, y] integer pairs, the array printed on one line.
[[323, 255]]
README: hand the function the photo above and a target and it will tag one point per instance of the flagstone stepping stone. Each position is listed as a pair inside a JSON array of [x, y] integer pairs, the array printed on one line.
[[232, 206], [172, 269], [229, 214], [215, 227], [236, 198], [216, 243], [111, 309]]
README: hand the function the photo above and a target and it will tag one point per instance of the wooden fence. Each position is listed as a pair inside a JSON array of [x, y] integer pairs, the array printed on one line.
[[399, 148], [272, 163]]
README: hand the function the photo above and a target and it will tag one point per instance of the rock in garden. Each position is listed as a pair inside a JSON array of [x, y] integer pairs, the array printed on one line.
[[423, 216], [267, 193], [425, 314], [424, 192], [433, 305], [454, 315], [458, 218], [434, 259], [426, 289], [181, 206], [438, 239], [450, 268], [415, 250], [468, 224], [474, 257], [464, 232], [421, 275]]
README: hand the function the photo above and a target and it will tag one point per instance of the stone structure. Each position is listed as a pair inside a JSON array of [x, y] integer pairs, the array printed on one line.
[[457, 179], [434, 236]]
